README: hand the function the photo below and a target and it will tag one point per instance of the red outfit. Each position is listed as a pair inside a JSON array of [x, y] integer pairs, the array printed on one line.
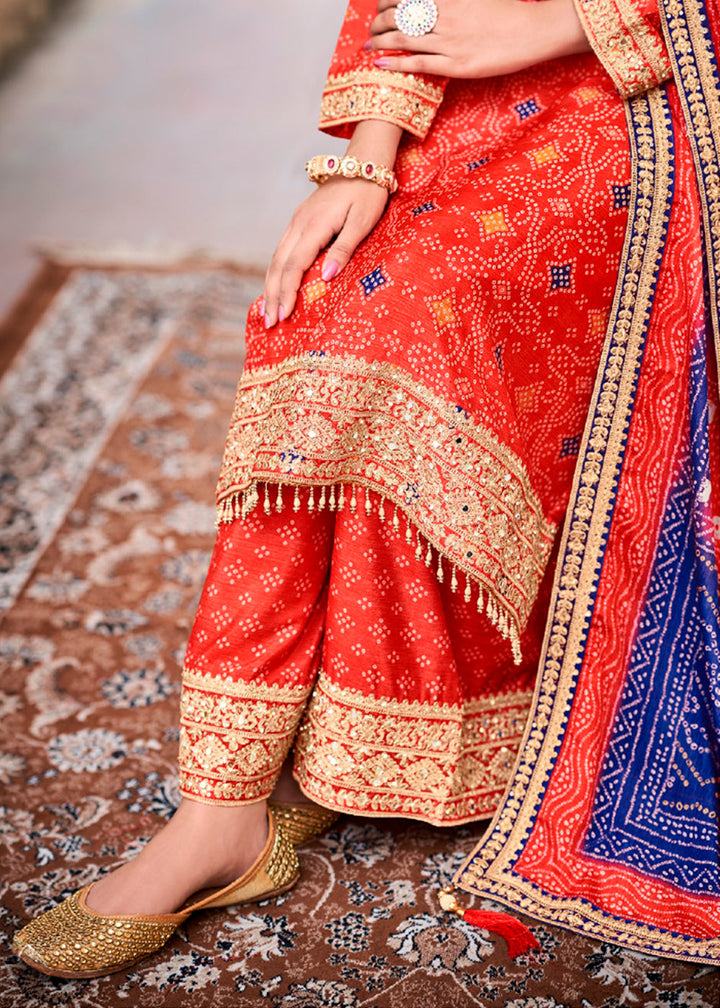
[[441, 381]]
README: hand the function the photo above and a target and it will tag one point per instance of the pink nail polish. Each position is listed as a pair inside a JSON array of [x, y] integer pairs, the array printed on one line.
[[329, 270], [281, 314], [368, 45], [382, 63], [267, 320]]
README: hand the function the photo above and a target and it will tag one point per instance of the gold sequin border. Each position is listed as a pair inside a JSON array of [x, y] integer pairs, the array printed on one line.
[[444, 764], [407, 100], [489, 869], [625, 44]]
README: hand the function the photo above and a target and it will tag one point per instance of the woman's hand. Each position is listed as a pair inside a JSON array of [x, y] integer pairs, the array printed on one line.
[[481, 38], [348, 208], [341, 208]]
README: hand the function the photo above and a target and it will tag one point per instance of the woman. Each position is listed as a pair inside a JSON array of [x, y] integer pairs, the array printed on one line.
[[400, 457]]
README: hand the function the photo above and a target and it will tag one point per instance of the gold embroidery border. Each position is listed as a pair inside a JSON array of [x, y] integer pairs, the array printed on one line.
[[427, 710], [310, 715], [218, 784], [391, 374], [405, 99], [510, 585], [275, 692], [625, 44], [685, 29], [383, 800], [489, 869]]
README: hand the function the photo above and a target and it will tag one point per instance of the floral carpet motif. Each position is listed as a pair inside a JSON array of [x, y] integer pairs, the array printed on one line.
[[113, 416]]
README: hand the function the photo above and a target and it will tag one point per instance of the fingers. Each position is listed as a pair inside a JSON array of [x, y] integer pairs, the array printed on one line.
[[296, 252], [383, 22], [357, 226], [386, 36], [432, 63], [384, 33], [346, 208]]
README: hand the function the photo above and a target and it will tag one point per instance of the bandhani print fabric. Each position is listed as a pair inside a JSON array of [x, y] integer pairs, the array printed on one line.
[[432, 395], [465, 330], [610, 825]]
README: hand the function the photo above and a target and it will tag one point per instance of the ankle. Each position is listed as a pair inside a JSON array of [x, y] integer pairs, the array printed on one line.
[[287, 788]]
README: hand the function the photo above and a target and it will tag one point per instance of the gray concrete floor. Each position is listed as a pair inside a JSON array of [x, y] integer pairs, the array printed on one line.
[[162, 123]]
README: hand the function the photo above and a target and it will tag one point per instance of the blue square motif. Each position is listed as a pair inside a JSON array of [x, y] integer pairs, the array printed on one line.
[[560, 276], [372, 281], [527, 108], [478, 163], [423, 208], [570, 446], [621, 196]]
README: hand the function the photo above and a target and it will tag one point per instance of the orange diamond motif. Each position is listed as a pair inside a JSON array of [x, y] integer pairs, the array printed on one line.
[[598, 322], [314, 290], [588, 94], [493, 222], [543, 155], [444, 314], [526, 397], [411, 156]]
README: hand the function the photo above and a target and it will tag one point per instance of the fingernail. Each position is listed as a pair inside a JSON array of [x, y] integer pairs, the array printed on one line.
[[368, 45], [267, 320], [382, 63], [262, 306], [329, 270], [281, 313]]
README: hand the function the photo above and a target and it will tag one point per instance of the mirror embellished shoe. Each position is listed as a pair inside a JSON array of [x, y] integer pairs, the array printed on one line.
[[71, 940], [303, 821]]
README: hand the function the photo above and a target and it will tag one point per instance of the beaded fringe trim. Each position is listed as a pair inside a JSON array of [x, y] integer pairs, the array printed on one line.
[[241, 503]]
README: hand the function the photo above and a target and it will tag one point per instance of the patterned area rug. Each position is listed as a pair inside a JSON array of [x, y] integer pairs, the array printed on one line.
[[113, 417]]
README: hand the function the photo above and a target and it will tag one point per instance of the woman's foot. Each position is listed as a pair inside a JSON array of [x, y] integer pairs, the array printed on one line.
[[124, 922], [201, 847]]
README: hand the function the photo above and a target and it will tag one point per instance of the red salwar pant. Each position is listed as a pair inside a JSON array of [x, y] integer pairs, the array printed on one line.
[[326, 631]]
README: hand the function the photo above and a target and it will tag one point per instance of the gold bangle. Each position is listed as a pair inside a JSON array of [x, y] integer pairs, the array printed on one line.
[[323, 166]]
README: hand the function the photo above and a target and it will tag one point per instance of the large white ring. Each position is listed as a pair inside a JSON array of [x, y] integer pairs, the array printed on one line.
[[416, 17]]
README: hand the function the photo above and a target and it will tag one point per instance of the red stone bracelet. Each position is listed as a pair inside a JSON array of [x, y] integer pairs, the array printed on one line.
[[324, 166]]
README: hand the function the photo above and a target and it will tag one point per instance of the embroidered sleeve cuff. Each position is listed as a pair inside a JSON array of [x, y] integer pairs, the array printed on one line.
[[408, 100], [626, 37]]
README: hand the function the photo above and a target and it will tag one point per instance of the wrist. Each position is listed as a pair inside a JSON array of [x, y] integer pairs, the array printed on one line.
[[375, 140], [563, 33]]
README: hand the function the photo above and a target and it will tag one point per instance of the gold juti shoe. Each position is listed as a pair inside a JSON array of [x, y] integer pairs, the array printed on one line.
[[71, 940], [303, 821]]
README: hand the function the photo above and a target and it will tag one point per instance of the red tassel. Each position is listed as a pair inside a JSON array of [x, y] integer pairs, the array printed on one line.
[[520, 939]]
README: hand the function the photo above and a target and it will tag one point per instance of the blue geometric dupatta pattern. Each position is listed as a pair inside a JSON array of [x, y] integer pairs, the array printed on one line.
[[611, 825]]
